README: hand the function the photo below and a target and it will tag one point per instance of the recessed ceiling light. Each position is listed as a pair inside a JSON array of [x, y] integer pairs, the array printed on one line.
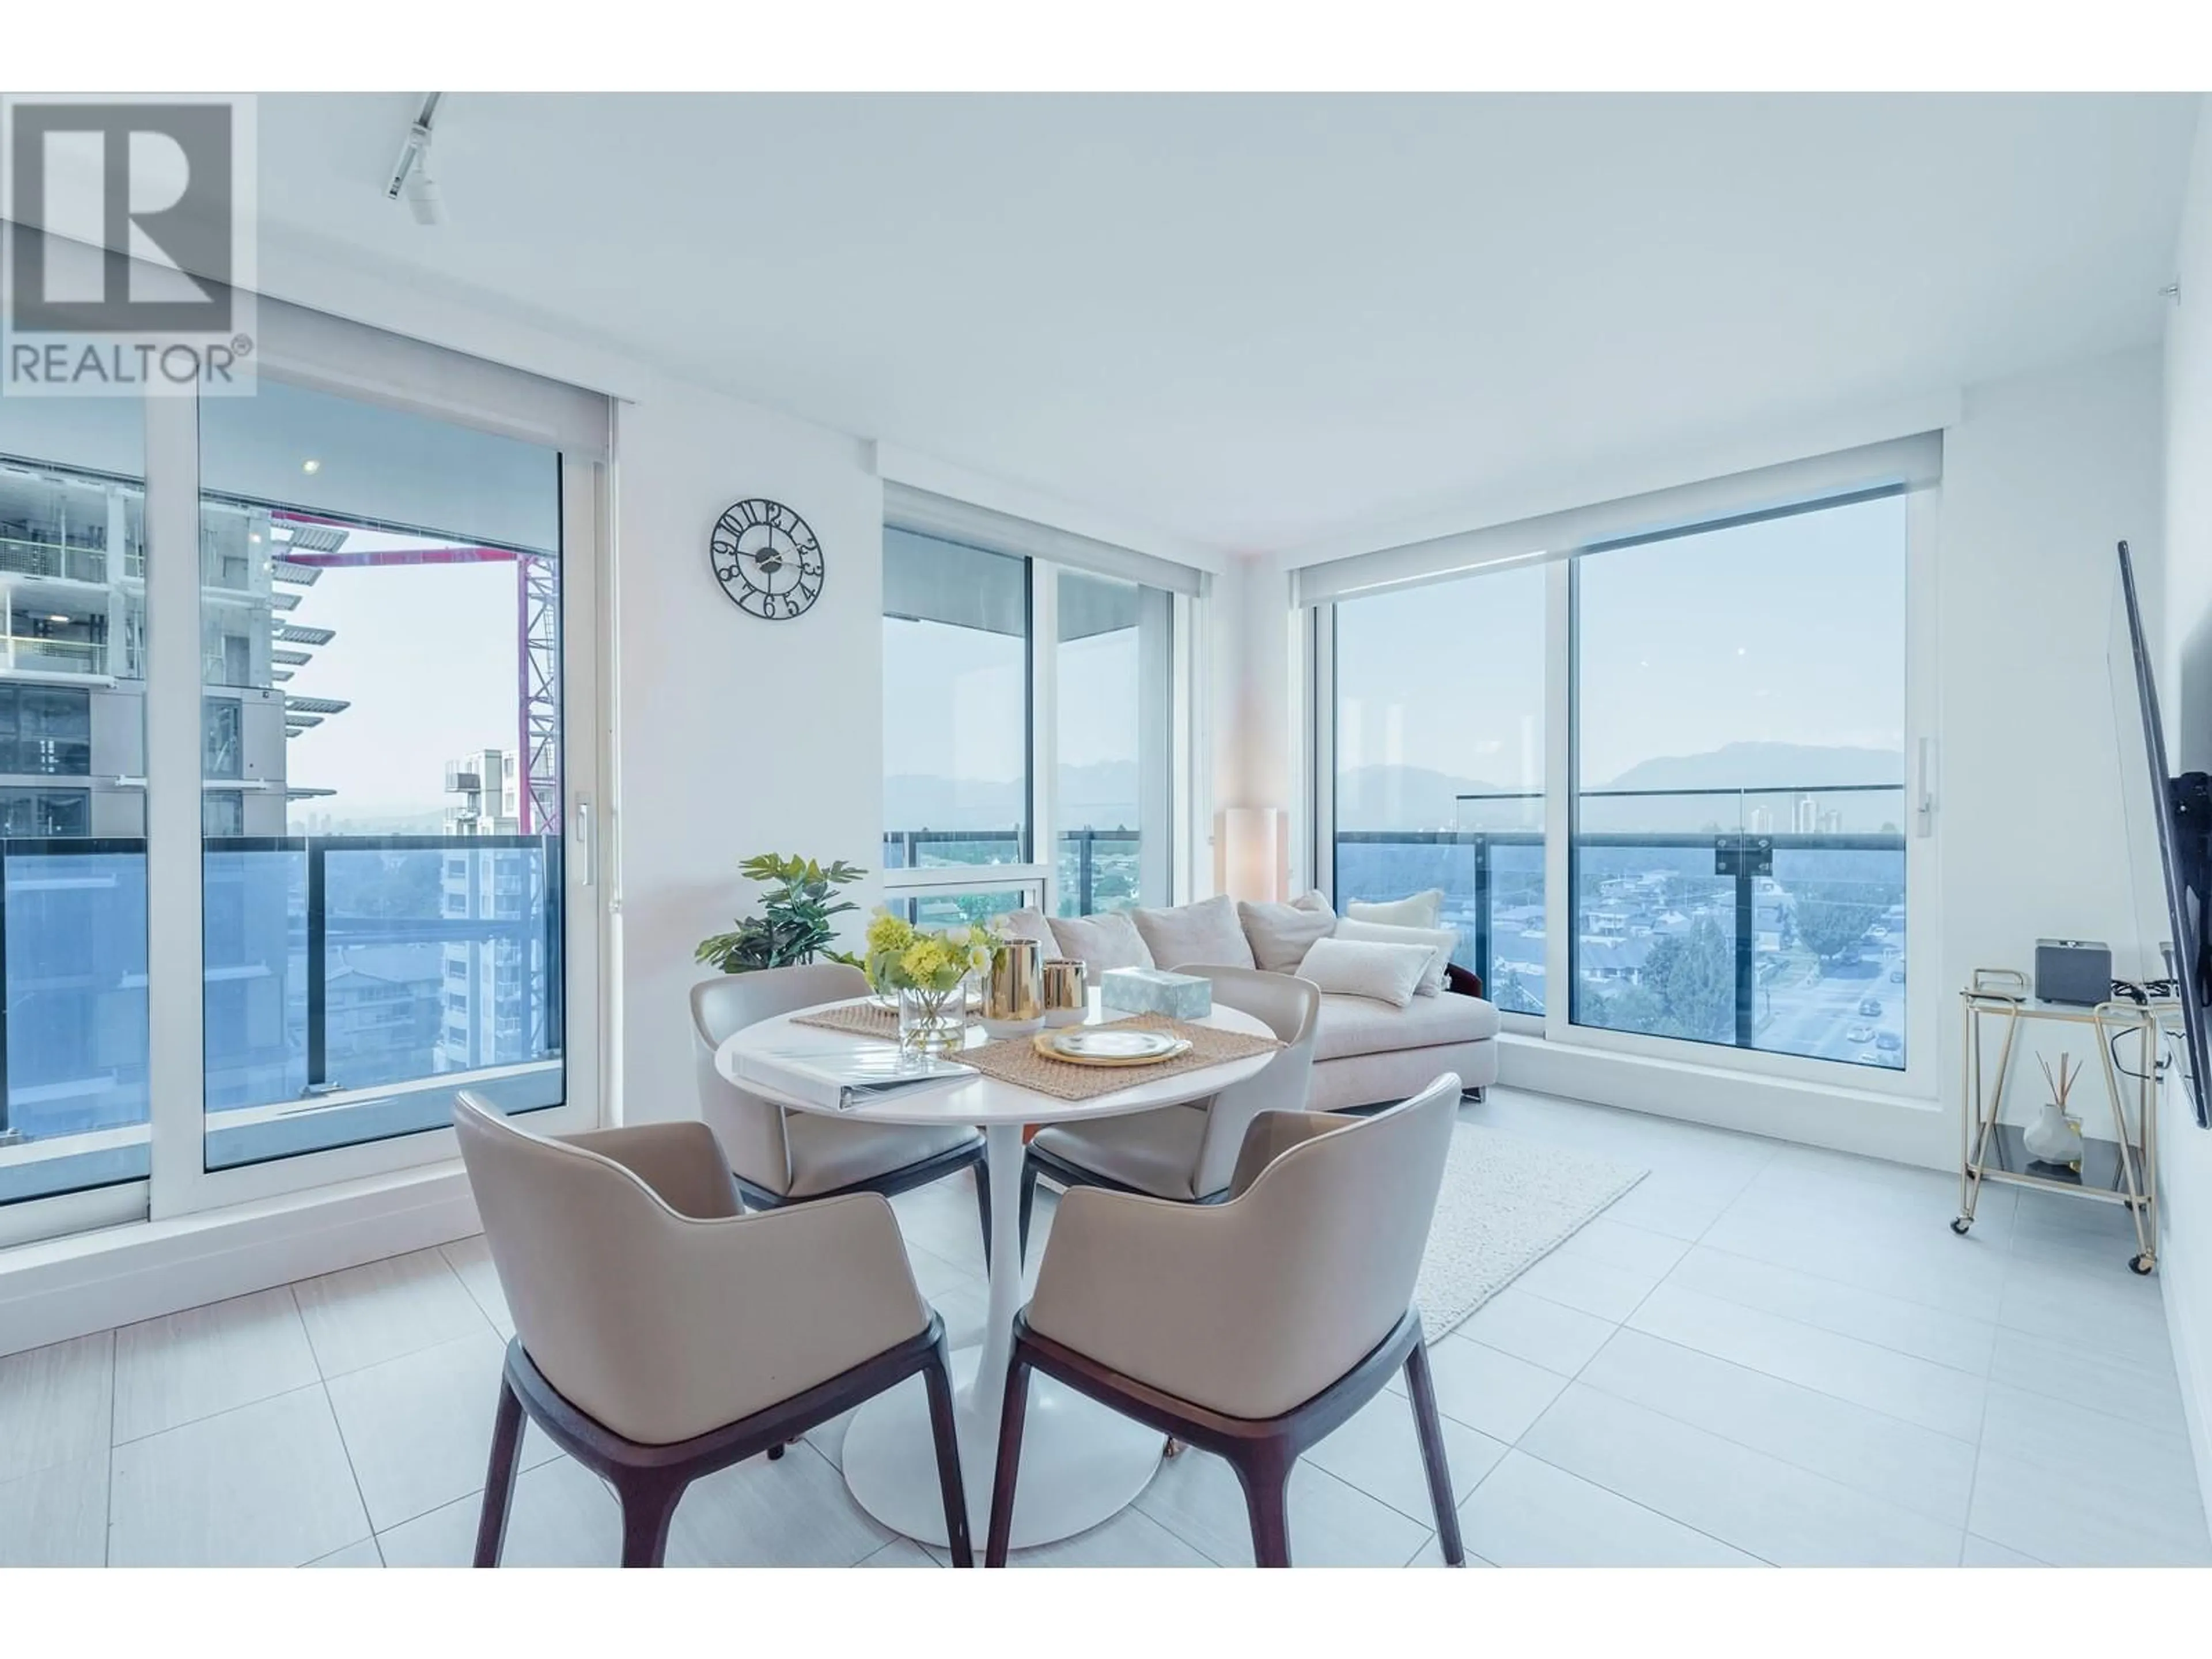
[[57, 616], [311, 466], [253, 536]]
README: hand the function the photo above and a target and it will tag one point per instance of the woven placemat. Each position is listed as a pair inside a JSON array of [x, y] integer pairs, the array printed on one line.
[[861, 1018], [1016, 1060]]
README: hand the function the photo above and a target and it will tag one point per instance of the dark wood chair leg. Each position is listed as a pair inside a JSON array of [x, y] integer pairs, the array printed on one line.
[[1265, 1473], [983, 1207], [1029, 1203], [649, 1505], [937, 1378], [499, 1478], [1014, 1410], [1423, 1392]]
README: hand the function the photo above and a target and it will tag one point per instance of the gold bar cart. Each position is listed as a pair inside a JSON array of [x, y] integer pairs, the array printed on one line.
[[2121, 1171]]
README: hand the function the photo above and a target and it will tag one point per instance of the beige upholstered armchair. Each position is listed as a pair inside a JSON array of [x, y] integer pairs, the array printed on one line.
[[1188, 1154], [1252, 1328], [782, 1156], [661, 1334]]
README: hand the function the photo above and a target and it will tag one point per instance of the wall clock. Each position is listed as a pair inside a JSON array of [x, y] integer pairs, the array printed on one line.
[[766, 559]]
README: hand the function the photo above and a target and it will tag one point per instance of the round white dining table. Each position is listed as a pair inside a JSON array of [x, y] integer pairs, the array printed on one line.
[[1080, 1461]]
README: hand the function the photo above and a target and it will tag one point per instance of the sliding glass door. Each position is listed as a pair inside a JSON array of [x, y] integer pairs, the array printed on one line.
[[73, 1099], [381, 803], [294, 827]]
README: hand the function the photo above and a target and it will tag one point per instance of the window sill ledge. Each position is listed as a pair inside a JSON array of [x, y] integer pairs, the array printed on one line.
[[1903, 1129], [58, 1288]]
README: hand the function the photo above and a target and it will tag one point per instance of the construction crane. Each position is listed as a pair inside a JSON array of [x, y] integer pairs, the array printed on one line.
[[538, 641]]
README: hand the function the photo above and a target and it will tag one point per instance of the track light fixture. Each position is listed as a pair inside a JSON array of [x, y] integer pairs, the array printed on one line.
[[411, 174]]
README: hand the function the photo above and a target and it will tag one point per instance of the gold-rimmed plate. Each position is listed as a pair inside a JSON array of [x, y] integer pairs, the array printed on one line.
[[1104, 1045]]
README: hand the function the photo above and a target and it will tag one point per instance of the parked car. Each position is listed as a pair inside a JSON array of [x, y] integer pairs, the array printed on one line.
[[1871, 1007], [1889, 1042], [1897, 977], [1872, 1057], [1859, 1034]]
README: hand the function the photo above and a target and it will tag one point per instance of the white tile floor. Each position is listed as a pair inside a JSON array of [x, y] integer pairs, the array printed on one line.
[[1762, 1353]]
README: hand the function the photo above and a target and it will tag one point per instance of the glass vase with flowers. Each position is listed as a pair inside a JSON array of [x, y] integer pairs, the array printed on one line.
[[927, 969]]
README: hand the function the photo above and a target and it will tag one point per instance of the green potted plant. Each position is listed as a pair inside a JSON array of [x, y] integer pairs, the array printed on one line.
[[795, 927]]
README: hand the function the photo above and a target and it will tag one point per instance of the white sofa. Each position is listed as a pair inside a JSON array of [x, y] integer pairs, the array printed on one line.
[[1366, 1052]]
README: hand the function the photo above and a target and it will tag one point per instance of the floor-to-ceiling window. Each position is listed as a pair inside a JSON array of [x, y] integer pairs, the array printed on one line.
[[1659, 755], [1114, 702], [1738, 851], [74, 1102], [382, 906], [1035, 719], [1439, 764], [293, 837]]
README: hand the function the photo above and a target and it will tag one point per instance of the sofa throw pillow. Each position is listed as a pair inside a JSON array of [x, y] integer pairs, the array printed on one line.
[[1031, 924], [1204, 934], [1108, 940], [1441, 941], [1364, 968], [1281, 934], [1422, 910]]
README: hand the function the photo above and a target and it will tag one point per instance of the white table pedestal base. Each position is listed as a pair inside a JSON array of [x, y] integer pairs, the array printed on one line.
[[1081, 1463]]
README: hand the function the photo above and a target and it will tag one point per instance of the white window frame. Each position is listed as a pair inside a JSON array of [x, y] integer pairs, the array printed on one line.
[[1045, 553], [1319, 589], [349, 361]]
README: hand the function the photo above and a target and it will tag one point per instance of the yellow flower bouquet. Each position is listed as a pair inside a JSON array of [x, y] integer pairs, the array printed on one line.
[[927, 968]]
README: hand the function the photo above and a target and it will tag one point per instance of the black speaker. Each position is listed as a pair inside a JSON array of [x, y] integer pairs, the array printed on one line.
[[2076, 970]]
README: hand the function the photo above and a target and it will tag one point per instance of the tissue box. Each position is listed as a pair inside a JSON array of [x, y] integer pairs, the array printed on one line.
[[1154, 991]]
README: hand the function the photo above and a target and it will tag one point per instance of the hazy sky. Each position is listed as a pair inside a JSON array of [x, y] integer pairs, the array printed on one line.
[[953, 701], [1790, 631], [426, 655]]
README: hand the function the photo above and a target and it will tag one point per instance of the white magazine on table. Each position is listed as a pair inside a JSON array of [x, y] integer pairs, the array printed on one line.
[[844, 1078]]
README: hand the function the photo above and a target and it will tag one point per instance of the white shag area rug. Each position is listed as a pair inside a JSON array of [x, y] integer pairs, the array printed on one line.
[[1506, 1204]]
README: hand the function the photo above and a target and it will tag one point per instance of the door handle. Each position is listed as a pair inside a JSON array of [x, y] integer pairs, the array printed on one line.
[[586, 848]]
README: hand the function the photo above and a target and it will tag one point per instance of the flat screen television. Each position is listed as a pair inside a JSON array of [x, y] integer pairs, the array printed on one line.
[[2182, 807]]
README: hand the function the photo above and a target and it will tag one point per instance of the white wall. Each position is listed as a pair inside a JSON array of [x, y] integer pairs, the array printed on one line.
[[737, 736], [2185, 685], [2041, 476]]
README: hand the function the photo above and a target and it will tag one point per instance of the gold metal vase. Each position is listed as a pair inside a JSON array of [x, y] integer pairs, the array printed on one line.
[[1013, 989]]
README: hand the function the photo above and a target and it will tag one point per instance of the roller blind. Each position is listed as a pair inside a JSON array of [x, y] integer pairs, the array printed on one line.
[[908, 508], [329, 354], [1914, 463]]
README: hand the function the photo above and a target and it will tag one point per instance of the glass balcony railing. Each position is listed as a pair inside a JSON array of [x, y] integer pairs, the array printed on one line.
[[327, 961], [1096, 869], [1772, 920]]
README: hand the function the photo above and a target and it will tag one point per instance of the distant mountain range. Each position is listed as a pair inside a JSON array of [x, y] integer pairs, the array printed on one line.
[[1419, 798], [1102, 796]]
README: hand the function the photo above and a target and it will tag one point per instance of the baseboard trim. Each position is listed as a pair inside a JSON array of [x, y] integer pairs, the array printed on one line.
[[66, 1287]]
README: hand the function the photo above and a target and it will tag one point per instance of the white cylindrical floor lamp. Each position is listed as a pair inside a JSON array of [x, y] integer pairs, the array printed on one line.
[[1251, 864]]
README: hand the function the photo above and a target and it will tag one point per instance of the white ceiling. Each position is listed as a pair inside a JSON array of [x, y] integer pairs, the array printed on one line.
[[1256, 323]]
